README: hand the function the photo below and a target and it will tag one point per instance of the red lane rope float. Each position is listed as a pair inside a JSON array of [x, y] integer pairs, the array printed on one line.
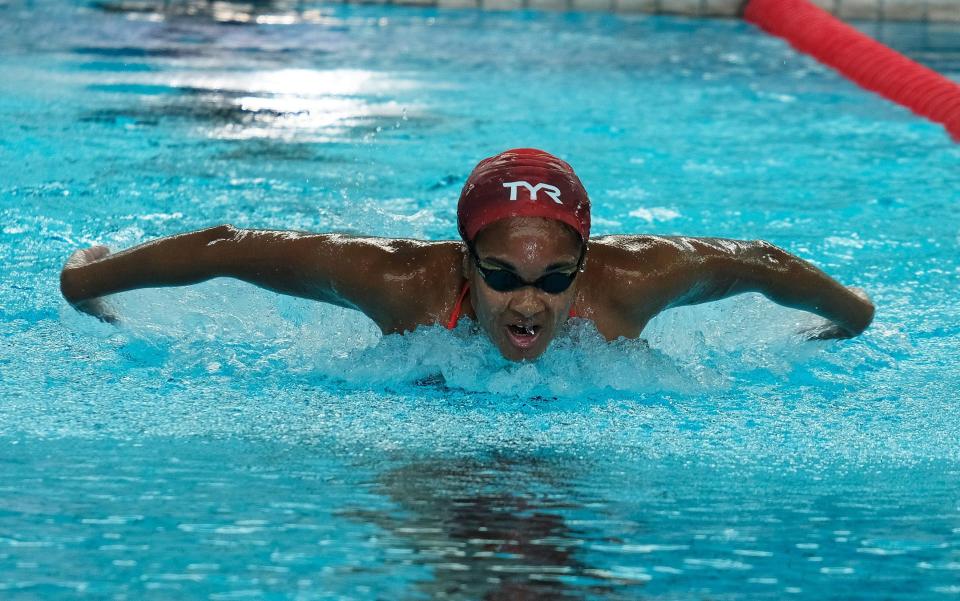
[[860, 58]]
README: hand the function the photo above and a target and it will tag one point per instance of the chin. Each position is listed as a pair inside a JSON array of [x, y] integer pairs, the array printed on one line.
[[525, 356]]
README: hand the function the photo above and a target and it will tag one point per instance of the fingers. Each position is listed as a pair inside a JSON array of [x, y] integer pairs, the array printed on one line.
[[78, 258], [859, 292], [826, 332], [824, 329], [100, 309], [83, 256], [97, 252]]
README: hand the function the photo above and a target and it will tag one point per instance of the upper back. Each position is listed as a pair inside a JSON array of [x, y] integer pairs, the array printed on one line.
[[624, 283]]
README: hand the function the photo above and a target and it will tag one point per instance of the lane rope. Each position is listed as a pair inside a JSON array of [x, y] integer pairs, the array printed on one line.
[[860, 58]]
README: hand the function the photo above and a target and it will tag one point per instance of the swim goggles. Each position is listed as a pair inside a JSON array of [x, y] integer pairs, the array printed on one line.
[[504, 280]]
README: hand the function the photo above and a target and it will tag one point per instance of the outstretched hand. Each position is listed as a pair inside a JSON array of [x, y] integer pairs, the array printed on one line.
[[826, 331], [96, 307], [829, 330]]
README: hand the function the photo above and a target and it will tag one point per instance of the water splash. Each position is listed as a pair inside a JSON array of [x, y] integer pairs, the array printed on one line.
[[694, 350]]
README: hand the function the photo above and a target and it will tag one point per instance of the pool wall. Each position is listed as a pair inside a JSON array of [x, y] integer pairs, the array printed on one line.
[[877, 10]]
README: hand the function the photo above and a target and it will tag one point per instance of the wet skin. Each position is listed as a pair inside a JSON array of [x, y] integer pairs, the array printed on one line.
[[402, 284]]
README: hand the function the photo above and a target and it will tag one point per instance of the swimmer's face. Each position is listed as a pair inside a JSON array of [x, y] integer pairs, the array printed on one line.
[[522, 322]]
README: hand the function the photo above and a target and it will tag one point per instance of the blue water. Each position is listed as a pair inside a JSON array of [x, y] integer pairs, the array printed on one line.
[[226, 443]]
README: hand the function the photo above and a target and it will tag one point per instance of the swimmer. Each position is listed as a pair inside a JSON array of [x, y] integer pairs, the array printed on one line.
[[525, 265]]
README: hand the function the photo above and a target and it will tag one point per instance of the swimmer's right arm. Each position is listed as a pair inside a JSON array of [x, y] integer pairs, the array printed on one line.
[[345, 271], [93, 273]]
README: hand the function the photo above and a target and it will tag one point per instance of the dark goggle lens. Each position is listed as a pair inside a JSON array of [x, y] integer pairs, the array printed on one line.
[[555, 283], [502, 280]]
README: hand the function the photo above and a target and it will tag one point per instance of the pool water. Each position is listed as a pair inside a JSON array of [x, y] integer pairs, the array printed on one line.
[[227, 443]]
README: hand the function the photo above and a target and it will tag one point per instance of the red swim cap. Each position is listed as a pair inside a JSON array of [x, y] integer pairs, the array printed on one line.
[[523, 182]]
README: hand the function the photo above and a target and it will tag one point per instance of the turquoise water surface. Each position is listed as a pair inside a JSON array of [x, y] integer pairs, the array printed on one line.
[[227, 443]]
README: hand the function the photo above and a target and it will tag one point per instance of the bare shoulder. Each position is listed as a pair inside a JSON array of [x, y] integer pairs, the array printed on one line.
[[636, 276], [400, 283], [632, 256], [420, 281], [655, 254], [421, 260]]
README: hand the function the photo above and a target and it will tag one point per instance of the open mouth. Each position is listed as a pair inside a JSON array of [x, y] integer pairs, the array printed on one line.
[[523, 336]]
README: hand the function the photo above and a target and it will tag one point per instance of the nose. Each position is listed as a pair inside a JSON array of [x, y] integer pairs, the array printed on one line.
[[526, 302]]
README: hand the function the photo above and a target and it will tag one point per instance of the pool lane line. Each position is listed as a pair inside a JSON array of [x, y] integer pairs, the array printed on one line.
[[861, 59]]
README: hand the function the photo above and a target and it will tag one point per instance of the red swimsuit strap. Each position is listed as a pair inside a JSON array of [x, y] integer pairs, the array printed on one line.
[[455, 315], [458, 308]]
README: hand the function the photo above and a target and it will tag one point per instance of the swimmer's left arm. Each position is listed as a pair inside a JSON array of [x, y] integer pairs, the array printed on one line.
[[707, 269]]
